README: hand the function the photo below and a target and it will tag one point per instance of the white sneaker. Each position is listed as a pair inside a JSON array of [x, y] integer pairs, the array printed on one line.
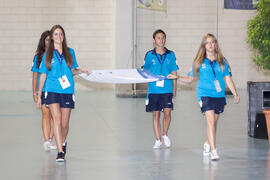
[[157, 144], [47, 145], [166, 140], [214, 155], [206, 149], [52, 145]]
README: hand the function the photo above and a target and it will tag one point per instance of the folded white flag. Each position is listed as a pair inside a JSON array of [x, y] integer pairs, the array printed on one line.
[[121, 76]]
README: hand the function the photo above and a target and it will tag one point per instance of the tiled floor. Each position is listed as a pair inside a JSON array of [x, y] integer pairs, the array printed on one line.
[[111, 138]]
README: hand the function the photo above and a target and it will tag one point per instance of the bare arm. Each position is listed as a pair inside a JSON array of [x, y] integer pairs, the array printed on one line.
[[174, 84], [42, 79], [185, 79], [34, 85], [77, 71], [230, 84]]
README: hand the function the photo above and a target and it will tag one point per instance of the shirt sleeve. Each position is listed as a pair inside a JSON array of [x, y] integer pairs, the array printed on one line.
[[34, 65], [42, 67], [226, 71], [174, 66], [75, 64], [146, 65]]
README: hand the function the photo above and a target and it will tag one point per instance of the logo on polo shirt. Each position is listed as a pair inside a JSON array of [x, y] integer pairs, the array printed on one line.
[[153, 61], [203, 65]]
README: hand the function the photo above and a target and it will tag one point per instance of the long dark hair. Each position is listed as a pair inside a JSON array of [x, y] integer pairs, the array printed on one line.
[[41, 48], [66, 53]]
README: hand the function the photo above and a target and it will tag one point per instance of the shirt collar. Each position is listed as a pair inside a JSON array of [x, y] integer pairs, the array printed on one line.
[[208, 61], [167, 51], [57, 53]]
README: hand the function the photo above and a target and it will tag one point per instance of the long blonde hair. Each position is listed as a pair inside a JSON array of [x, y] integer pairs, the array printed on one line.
[[201, 55]]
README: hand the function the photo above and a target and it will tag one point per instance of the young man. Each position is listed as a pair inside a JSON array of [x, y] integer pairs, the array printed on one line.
[[161, 61]]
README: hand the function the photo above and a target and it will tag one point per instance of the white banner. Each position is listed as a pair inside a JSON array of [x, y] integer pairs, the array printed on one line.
[[121, 76]]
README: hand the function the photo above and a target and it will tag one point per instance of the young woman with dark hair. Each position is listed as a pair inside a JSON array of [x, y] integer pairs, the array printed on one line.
[[47, 123], [58, 67]]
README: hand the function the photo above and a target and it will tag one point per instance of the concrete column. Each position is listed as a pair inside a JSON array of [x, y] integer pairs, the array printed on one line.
[[124, 41]]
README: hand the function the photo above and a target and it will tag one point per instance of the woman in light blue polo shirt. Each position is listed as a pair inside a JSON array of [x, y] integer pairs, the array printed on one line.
[[47, 122], [58, 67], [213, 71]]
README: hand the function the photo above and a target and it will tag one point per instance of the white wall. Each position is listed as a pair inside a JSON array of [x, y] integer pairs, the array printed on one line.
[[100, 31], [89, 26], [124, 40], [185, 23], [232, 38]]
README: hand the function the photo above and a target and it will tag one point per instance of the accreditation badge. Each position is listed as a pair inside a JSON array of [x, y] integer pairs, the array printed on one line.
[[160, 83], [64, 82], [217, 85]]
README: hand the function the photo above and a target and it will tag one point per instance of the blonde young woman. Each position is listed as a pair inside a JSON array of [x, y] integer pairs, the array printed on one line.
[[213, 72], [47, 123]]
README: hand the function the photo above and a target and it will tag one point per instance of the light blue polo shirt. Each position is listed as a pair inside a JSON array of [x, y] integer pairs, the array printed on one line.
[[160, 65], [58, 69], [207, 75], [35, 68]]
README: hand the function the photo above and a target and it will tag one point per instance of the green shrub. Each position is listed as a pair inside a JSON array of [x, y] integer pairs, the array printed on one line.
[[259, 34]]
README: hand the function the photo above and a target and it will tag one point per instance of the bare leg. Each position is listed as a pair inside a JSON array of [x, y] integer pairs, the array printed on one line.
[[211, 121], [156, 124], [166, 120], [65, 122], [51, 132], [57, 118], [216, 119], [46, 118]]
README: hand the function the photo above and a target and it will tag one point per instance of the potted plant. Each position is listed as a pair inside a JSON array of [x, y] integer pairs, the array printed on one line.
[[259, 34], [259, 41]]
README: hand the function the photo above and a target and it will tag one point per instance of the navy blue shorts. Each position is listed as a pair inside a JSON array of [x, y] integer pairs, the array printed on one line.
[[157, 102], [65, 100], [42, 98], [211, 103]]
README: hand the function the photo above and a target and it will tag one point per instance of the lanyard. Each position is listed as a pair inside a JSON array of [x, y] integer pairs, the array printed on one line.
[[60, 60], [212, 66], [161, 61]]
